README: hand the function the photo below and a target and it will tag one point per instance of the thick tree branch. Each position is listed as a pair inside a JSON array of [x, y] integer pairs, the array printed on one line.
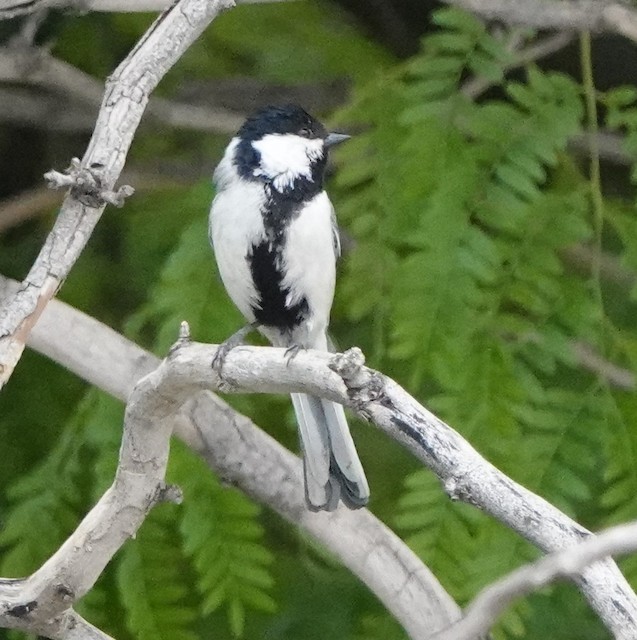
[[127, 93], [245, 456], [41, 603], [257, 464], [598, 16], [464, 473], [67, 626], [490, 603]]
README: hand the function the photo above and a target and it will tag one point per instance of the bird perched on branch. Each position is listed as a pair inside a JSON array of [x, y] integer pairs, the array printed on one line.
[[273, 230]]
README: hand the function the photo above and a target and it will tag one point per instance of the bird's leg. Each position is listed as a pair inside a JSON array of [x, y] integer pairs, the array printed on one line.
[[235, 340]]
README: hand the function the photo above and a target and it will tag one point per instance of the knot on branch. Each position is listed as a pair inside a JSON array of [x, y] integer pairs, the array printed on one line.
[[169, 493], [459, 490], [87, 185], [363, 384], [22, 610]]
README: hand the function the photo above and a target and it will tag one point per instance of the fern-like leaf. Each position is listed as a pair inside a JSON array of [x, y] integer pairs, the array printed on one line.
[[222, 535]]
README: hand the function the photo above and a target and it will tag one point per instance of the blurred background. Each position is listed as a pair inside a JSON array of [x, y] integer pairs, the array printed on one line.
[[486, 203]]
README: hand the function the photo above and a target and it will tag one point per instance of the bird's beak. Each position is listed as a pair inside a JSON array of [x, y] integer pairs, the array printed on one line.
[[335, 138]]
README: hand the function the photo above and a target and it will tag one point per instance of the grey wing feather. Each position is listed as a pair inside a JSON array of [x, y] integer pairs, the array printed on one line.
[[336, 236]]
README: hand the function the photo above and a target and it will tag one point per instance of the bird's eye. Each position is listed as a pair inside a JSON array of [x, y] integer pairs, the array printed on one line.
[[305, 132]]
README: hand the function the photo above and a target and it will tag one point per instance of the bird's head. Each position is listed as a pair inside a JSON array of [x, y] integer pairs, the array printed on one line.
[[284, 146]]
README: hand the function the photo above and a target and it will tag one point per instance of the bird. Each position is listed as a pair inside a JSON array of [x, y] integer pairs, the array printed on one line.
[[274, 235]]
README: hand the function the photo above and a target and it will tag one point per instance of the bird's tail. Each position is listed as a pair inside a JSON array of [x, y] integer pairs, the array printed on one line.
[[331, 465]]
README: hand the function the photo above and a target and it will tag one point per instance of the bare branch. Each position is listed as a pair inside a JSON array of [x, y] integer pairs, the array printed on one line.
[[13, 8], [464, 473], [36, 67], [490, 603], [245, 456], [39, 201], [67, 626], [589, 359], [127, 93], [598, 16], [26, 205], [257, 464], [580, 258]]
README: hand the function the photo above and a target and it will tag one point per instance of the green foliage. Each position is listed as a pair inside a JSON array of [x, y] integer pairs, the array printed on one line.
[[46, 502], [222, 536], [189, 287], [154, 583], [460, 209]]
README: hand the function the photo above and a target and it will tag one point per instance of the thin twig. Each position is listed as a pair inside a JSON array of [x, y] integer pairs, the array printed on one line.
[[580, 258], [26, 205], [37, 67], [475, 87], [13, 8], [491, 602]]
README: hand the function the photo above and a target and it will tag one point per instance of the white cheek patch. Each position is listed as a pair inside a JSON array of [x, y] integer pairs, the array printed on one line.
[[286, 157]]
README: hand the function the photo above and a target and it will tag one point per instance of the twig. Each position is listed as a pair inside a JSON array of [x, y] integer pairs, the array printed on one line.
[[597, 16], [475, 87], [37, 67], [86, 186], [608, 143], [253, 461], [491, 602], [580, 258], [245, 456], [13, 8], [589, 359], [25, 206], [126, 96], [41, 200]]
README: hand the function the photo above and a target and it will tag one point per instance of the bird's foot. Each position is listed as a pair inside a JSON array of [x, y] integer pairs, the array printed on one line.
[[235, 340], [291, 352]]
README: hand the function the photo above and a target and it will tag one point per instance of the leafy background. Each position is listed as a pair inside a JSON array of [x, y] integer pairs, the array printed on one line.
[[458, 212]]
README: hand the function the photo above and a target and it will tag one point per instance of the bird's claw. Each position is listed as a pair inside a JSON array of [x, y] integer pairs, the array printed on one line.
[[222, 352], [291, 352], [228, 345]]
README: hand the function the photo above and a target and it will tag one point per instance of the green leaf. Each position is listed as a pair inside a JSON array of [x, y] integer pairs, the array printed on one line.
[[223, 536], [153, 584]]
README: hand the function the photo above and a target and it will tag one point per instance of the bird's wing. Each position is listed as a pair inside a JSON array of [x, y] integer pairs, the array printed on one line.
[[336, 236]]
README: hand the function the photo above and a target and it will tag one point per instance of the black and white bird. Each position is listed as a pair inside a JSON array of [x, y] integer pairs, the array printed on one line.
[[273, 230]]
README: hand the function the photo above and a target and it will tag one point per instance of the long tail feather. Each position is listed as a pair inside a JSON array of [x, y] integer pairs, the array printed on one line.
[[346, 465], [331, 465]]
